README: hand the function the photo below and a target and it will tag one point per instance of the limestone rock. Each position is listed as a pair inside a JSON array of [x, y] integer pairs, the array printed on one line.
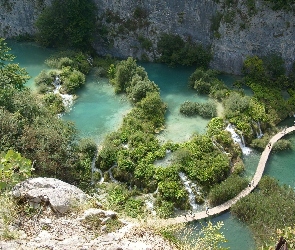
[[60, 195]]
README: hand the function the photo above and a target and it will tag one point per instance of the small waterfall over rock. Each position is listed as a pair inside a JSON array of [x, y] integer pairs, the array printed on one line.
[[259, 134], [238, 139], [188, 185], [220, 147], [111, 174], [95, 170], [67, 99]]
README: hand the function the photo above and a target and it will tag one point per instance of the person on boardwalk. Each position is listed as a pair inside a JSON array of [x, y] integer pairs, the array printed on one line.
[[207, 210], [269, 145]]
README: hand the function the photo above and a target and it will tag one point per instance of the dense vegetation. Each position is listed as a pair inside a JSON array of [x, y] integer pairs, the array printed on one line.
[[227, 190], [174, 50], [266, 210], [206, 110], [29, 125], [132, 150], [69, 70], [69, 24]]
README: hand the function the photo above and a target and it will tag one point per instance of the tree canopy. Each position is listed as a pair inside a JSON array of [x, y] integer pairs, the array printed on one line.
[[68, 23]]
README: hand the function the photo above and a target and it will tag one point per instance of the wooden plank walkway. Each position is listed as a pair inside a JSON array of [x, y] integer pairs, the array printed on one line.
[[225, 206]]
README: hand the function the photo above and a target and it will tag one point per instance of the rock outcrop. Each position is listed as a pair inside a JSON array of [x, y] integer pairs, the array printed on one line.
[[241, 28], [92, 228], [61, 196]]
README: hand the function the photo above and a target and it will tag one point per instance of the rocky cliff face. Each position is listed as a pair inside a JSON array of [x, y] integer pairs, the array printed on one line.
[[125, 27]]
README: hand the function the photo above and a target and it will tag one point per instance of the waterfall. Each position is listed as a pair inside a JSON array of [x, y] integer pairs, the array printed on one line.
[[149, 202], [220, 147], [188, 186], [259, 129], [95, 170], [238, 139], [111, 175], [67, 99]]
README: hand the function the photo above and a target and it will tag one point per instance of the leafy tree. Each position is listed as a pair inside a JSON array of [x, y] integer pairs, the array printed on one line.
[[13, 169], [71, 79], [236, 104], [275, 66], [11, 75], [254, 68], [227, 190], [69, 23], [174, 50]]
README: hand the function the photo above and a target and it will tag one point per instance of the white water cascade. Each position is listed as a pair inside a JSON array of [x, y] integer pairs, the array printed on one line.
[[111, 174], [238, 139], [188, 187], [220, 147], [67, 99], [260, 134], [94, 170]]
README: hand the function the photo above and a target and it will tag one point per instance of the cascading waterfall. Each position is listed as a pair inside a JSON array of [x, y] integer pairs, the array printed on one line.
[[220, 147], [95, 170], [67, 99], [238, 139], [259, 129], [188, 187], [111, 174]]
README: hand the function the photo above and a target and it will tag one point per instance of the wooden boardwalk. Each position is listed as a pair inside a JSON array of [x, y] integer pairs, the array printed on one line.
[[225, 206]]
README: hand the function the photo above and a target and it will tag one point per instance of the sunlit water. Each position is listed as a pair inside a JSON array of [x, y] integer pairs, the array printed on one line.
[[30, 56], [98, 111], [173, 83]]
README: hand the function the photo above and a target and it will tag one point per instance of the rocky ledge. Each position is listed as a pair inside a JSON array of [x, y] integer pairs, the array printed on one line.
[[54, 223]]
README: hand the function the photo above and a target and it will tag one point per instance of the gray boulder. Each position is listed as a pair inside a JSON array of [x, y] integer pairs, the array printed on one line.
[[60, 195]]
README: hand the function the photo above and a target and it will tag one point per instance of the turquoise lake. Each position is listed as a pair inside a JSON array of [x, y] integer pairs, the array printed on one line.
[[98, 111]]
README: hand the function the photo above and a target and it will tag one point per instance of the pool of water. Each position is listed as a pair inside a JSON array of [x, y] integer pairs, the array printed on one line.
[[237, 234], [173, 83], [97, 110], [30, 56]]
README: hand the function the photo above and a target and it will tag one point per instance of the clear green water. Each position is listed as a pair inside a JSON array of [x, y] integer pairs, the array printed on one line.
[[98, 111], [30, 56], [239, 237], [173, 83]]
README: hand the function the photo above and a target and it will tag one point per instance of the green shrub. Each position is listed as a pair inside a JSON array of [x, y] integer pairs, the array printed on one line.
[[44, 78], [164, 209], [134, 207], [54, 103], [13, 169], [71, 79], [174, 50], [226, 190], [206, 110]]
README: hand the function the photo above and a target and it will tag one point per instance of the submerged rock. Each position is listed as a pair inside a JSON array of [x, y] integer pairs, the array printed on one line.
[[61, 196]]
